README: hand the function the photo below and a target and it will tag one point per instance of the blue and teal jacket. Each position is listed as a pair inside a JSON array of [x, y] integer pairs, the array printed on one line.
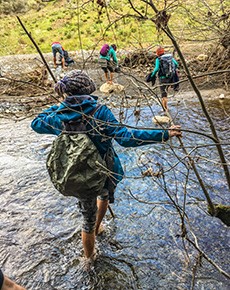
[[111, 54], [52, 120]]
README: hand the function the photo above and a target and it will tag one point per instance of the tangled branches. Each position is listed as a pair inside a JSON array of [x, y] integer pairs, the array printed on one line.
[[30, 84]]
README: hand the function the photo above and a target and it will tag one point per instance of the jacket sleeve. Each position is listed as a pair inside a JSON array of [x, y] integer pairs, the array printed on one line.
[[156, 68], [131, 138], [48, 122], [114, 57], [175, 62]]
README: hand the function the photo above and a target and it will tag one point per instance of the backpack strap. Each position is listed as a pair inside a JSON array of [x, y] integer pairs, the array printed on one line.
[[95, 110]]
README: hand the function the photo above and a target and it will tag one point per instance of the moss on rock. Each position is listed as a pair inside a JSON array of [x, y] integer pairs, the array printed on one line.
[[223, 213]]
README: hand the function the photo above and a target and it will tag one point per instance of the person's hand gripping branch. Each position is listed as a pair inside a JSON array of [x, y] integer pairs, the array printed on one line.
[[175, 130]]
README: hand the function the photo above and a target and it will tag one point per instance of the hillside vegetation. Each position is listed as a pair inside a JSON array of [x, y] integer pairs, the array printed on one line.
[[88, 25]]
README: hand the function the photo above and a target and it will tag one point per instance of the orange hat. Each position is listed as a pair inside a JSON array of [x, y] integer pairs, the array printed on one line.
[[160, 51]]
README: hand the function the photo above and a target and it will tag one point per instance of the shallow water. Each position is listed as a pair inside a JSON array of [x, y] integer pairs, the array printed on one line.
[[141, 248]]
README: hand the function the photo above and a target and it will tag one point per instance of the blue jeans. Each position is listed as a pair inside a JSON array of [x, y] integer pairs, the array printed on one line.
[[57, 48]]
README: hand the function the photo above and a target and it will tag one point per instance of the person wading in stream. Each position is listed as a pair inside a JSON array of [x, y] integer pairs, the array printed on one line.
[[166, 67], [103, 127]]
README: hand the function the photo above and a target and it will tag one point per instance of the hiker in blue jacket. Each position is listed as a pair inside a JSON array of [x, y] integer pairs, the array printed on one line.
[[105, 127], [165, 66], [109, 63]]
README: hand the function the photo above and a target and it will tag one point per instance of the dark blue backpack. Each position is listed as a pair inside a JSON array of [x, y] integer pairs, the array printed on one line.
[[167, 66]]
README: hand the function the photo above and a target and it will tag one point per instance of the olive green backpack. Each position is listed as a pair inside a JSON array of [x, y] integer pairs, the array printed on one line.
[[75, 165]]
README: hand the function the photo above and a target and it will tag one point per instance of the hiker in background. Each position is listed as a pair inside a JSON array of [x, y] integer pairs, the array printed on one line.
[[57, 48], [108, 61], [103, 127], [7, 284], [165, 66]]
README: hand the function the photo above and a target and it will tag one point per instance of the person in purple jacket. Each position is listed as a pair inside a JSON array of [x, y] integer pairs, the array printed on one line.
[[104, 128]]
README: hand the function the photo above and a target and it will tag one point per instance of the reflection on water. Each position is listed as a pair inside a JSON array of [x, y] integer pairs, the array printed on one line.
[[141, 248]]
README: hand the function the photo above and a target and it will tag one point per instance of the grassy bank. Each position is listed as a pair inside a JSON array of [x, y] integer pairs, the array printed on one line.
[[87, 27]]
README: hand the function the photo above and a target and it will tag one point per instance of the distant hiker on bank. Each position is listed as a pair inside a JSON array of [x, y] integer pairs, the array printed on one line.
[[102, 128], [165, 66], [57, 48], [108, 61]]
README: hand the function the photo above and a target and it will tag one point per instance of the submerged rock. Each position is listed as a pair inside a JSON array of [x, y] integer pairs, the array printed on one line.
[[223, 213], [161, 119]]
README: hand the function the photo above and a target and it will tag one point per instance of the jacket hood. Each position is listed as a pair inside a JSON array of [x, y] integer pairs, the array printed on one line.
[[76, 105], [72, 108]]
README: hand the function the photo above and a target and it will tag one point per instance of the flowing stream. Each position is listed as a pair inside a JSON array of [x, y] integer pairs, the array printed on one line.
[[141, 248]]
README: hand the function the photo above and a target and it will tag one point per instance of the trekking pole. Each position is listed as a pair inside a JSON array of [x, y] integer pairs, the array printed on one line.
[[38, 49], [111, 211]]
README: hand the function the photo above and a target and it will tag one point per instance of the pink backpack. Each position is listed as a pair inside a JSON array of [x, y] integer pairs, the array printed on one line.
[[104, 50]]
